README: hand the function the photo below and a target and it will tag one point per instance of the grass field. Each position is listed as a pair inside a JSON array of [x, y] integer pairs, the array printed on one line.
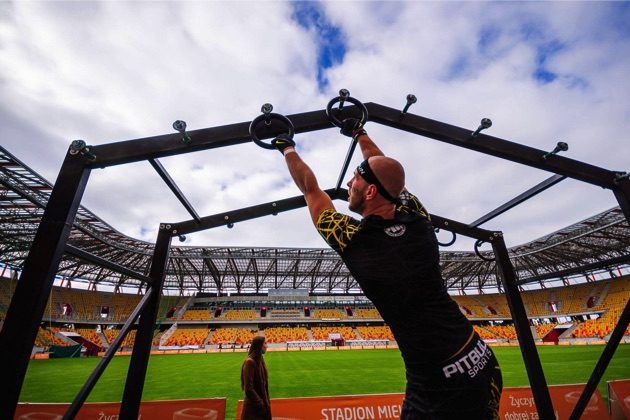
[[308, 373]]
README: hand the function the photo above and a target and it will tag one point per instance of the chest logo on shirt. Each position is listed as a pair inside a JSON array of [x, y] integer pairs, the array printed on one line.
[[395, 230]]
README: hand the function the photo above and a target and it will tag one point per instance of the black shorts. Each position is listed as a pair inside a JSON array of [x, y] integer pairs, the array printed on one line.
[[468, 386]]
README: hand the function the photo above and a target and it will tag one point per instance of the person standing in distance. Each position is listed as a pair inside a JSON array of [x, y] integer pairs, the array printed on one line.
[[393, 255], [255, 382]]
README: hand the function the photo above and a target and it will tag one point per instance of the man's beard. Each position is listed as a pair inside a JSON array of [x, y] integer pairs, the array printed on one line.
[[359, 203]]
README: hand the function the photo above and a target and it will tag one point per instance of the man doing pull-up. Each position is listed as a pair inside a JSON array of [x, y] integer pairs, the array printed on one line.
[[393, 255]]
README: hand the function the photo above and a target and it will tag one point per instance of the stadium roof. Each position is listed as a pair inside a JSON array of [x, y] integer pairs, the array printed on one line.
[[601, 242]]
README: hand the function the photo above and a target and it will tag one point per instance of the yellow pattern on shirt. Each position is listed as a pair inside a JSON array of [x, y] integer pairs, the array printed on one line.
[[337, 229]]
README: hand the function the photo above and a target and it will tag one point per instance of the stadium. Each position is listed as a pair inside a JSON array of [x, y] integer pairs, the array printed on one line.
[[81, 288]]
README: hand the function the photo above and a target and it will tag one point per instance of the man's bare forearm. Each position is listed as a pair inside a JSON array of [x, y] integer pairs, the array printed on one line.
[[368, 147], [304, 178], [301, 173]]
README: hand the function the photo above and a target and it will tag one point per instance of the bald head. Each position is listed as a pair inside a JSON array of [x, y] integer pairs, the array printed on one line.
[[389, 172]]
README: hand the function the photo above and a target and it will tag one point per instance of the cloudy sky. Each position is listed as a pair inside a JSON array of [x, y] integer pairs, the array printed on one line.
[[111, 71]]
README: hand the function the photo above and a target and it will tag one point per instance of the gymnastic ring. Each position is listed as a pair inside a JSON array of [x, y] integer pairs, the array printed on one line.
[[267, 119], [449, 243], [359, 104], [477, 245]]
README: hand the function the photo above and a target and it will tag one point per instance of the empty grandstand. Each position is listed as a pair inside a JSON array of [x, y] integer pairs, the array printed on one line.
[[576, 314]]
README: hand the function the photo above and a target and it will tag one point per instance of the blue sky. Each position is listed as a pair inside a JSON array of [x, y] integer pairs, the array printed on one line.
[[330, 39], [110, 71]]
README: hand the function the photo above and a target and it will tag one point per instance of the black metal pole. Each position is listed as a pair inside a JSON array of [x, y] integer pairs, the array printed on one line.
[[33, 289], [489, 145], [246, 213], [76, 405], [102, 262], [602, 363], [533, 366], [622, 194], [132, 395], [228, 135], [204, 139], [537, 189], [346, 163], [159, 168]]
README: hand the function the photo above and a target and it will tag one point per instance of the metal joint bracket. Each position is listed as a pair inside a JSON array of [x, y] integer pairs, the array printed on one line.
[[168, 227], [620, 176], [180, 126], [80, 147], [496, 235]]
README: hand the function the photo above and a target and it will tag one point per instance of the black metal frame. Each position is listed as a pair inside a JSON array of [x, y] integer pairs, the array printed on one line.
[[31, 293], [109, 354], [536, 189]]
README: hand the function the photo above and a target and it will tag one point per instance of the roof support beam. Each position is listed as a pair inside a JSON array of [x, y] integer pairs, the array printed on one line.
[[79, 253]]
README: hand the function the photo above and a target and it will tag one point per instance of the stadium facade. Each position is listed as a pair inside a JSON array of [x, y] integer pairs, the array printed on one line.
[[598, 246]]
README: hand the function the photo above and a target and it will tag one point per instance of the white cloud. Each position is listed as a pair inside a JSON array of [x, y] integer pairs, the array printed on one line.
[[112, 71]]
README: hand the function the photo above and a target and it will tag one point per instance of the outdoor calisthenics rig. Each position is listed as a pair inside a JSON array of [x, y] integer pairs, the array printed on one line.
[[50, 243]]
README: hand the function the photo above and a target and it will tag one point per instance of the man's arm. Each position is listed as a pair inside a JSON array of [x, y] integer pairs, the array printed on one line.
[[367, 145], [316, 199], [352, 127]]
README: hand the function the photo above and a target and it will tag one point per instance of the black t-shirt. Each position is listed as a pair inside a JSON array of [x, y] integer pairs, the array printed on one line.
[[396, 263]]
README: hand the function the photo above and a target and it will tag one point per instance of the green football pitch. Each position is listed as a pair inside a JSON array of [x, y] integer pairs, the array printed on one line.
[[292, 374]]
